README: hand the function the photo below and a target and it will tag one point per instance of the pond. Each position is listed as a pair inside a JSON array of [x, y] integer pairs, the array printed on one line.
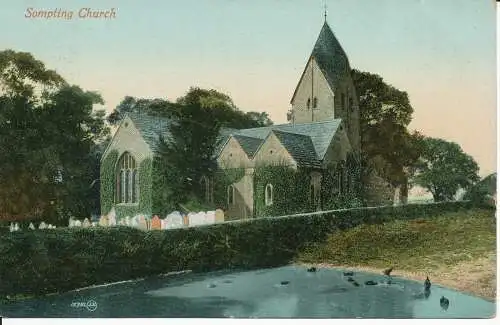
[[288, 292]]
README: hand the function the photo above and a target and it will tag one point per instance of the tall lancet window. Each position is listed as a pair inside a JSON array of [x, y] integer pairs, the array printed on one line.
[[315, 102], [308, 103], [127, 180]]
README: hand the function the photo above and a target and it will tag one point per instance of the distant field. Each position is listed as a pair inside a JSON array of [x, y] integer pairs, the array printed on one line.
[[456, 250]]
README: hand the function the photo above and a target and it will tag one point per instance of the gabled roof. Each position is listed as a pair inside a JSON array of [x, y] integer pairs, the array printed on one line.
[[330, 57], [151, 127], [300, 148], [249, 144], [320, 133]]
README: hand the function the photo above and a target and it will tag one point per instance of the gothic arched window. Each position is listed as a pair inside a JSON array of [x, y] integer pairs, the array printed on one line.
[[230, 195], [308, 103], [269, 194], [315, 102], [127, 180]]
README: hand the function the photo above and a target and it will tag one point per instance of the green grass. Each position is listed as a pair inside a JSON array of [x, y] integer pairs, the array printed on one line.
[[412, 245]]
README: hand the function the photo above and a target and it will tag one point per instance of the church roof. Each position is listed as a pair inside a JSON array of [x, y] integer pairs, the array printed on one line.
[[320, 133], [151, 127], [300, 147], [249, 144], [306, 142], [330, 57]]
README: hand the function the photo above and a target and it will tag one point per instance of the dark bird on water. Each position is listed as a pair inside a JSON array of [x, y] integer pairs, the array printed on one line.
[[388, 271], [284, 283], [348, 273], [370, 283], [444, 302], [311, 269], [355, 283], [427, 284], [349, 279]]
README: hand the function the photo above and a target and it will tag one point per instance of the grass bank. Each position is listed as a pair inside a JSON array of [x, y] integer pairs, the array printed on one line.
[[456, 249]]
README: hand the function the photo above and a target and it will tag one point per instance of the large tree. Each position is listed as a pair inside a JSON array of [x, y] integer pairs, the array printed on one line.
[[443, 168], [48, 134], [386, 143], [225, 111], [188, 153]]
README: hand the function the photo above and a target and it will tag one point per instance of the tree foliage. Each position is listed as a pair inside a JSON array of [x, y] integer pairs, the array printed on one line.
[[443, 169], [50, 142], [385, 112]]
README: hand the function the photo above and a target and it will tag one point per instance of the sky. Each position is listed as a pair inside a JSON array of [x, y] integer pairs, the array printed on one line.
[[442, 53]]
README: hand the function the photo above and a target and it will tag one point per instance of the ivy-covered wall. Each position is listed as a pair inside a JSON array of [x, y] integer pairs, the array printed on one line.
[[290, 191], [108, 181], [108, 188], [222, 178]]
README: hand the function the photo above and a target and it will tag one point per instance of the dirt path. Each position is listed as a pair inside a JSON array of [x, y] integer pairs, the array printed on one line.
[[477, 277]]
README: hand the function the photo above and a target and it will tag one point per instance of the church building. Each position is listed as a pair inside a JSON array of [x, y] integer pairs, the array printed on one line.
[[321, 135]]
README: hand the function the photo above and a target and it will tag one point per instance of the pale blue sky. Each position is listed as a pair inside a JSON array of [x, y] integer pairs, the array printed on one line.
[[442, 52]]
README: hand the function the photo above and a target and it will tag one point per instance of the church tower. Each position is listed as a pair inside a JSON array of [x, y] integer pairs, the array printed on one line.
[[326, 90]]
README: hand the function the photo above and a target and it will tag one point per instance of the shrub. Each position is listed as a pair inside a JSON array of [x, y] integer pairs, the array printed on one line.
[[55, 260]]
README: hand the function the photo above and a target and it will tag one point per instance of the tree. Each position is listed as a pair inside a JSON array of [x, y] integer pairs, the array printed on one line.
[[224, 108], [385, 113], [443, 169], [48, 133]]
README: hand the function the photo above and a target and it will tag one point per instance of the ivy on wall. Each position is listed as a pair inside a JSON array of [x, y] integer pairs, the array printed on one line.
[[107, 176], [290, 190], [222, 178]]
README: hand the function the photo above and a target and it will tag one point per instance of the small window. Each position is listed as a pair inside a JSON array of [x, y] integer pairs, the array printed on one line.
[[351, 104], [342, 103], [230, 195], [315, 102], [308, 103], [269, 194]]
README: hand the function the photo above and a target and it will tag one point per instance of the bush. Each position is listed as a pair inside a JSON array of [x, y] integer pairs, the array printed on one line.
[[55, 260]]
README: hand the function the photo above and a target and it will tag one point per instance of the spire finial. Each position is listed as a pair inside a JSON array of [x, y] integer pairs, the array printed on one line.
[[325, 11]]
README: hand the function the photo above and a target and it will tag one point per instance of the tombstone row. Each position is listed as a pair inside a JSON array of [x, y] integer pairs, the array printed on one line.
[[15, 226]]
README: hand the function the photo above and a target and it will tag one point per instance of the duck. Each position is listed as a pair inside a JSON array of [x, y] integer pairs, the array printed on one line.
[[284, 283], [370, 283], [349, 279], [388, 271], [444, 302], [355, 283], [348, 273], [427, 284], [311, 269]]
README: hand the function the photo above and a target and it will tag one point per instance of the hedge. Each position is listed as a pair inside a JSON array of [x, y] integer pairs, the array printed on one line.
[[57, 260]]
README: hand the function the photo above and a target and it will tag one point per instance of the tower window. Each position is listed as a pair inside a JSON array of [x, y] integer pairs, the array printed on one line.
[[351, 105], [308, 103], [315, 102], [230, 195], [342, 104]]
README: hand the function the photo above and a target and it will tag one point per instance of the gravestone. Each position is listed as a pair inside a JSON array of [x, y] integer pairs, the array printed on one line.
[[32, 226], [78, 223], [86, 223], [164, 224], [174, 220], [127, 221], [134, 221], [156, 223], [142, 223], [42, 225], [16, 227], [11, 228], [112, 218], [210, 217], [192, 219], [103, 222], [71, 222], [219, 215]]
